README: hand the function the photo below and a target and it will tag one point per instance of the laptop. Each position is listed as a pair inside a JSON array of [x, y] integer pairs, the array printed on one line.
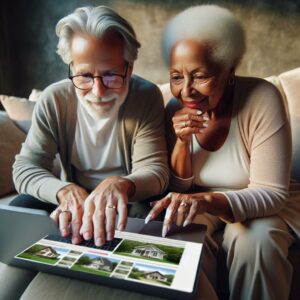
[[137, 259]]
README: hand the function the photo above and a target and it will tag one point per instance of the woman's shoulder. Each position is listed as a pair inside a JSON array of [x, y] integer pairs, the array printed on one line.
[[254, 93]]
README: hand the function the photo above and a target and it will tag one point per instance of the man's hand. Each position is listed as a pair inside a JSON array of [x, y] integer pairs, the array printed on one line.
[[70, 210], [101, 207]]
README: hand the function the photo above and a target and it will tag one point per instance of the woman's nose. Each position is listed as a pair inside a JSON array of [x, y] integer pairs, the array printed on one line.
[[187, 87]]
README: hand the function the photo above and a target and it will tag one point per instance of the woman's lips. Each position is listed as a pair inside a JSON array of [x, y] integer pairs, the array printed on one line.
[[195, 104]]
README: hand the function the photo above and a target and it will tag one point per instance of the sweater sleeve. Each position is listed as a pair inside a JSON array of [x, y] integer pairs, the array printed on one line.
[[32, 170], [150, 172], [266, 133]]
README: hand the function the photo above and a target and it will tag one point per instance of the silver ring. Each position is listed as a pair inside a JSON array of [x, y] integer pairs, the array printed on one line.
[[111, 206], [64, 211], [183, 204]]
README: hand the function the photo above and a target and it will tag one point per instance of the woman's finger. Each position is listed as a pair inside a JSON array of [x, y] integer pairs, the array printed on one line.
[[192, 213], [158, 208], [170, 214]]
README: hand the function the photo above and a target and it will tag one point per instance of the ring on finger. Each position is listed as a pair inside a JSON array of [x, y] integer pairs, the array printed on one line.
[[64, 211], [182, 203], [111, 206]]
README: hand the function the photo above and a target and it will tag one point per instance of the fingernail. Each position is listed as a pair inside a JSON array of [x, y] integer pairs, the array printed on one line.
[[205, 118], [205, 125], [99, 242], [75, 240], [164, 231], [86, 236], [148, 218], [199, 112], [121, 227], [109, 236], [186, 222], [64, 232]]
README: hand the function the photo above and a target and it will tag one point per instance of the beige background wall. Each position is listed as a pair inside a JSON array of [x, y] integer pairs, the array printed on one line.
[[273, 34], [28, 41]]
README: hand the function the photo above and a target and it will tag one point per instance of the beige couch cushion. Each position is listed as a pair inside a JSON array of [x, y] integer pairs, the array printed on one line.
[[52, 287], [19, 110], [11, 139]]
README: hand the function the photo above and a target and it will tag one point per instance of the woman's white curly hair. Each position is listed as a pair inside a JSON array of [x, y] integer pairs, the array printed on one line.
[[209, 24]]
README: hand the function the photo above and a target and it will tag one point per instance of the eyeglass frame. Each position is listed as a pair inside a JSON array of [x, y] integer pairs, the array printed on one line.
[[98, 76]]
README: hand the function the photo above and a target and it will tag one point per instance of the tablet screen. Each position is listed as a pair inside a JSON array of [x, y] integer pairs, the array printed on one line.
[[144, 259]]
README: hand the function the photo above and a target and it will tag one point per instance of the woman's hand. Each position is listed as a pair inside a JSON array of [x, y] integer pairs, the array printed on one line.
[[183, 208], [70, 210], [187, 122]]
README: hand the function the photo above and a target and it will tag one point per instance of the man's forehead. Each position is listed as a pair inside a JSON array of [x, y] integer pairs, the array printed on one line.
[[104, 49]]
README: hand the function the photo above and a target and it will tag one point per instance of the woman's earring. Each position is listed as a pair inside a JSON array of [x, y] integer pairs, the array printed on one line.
[[231, 80]]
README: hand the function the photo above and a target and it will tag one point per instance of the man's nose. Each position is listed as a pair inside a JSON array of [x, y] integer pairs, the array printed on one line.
[[98, 87]]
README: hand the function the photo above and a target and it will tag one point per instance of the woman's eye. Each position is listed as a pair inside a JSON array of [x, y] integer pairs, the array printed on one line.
[[199, 77], [176, 78]]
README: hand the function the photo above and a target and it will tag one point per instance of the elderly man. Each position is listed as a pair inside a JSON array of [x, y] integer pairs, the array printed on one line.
[[106, 125]]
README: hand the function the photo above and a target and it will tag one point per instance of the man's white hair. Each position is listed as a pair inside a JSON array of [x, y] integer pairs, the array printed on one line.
[[95, 21], [211, 25]]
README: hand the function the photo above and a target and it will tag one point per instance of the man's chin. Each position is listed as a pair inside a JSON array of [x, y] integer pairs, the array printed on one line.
[[100, 111]]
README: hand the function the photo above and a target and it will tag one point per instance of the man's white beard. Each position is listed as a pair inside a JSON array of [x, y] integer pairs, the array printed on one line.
[[92, 104]]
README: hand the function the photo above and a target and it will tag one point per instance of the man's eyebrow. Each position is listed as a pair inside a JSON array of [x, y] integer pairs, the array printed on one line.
[[83, 68]]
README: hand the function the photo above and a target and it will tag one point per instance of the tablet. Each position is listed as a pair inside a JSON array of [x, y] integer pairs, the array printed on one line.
[[136, 261]]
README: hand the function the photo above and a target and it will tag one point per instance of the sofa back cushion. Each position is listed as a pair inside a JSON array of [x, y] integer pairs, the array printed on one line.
[[11, 139], [19, 110]]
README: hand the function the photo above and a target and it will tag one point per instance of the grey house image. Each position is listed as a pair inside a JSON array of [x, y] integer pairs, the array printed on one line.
[[47, 252], [156, 276], [101, 263], [148, 251]]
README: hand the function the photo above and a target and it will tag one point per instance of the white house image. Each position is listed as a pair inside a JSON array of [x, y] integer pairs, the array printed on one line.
[[47, 252], [101, 263], [156, 276], [148, 251]]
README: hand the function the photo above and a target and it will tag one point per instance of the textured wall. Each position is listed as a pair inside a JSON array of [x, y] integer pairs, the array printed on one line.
[[273, 37]]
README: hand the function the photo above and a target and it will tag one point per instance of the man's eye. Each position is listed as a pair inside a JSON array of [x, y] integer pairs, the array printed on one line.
[[89, 75]]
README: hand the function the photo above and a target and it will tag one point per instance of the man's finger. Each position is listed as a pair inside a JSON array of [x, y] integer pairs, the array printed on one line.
[[64, 220], [86, 229], [122, 211], [55, 215], [99, 221], [110, 213], [77, 213]]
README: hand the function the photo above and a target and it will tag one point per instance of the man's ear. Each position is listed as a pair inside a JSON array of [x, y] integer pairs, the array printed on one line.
[[130, 69]]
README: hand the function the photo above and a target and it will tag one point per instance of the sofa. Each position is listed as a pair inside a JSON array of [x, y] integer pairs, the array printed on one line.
[[15, 122]]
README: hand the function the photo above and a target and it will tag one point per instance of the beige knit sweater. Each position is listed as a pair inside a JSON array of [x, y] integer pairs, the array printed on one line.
[[140, 136]]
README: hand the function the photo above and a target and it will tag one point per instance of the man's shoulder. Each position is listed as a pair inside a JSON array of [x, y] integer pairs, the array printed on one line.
[[62, 87], [143, 85]]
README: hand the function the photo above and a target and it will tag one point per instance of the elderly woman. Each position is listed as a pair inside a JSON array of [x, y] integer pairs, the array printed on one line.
[[230, 152]]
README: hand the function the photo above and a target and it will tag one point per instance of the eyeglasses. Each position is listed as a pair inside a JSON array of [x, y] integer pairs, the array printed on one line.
[[86, 81]]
